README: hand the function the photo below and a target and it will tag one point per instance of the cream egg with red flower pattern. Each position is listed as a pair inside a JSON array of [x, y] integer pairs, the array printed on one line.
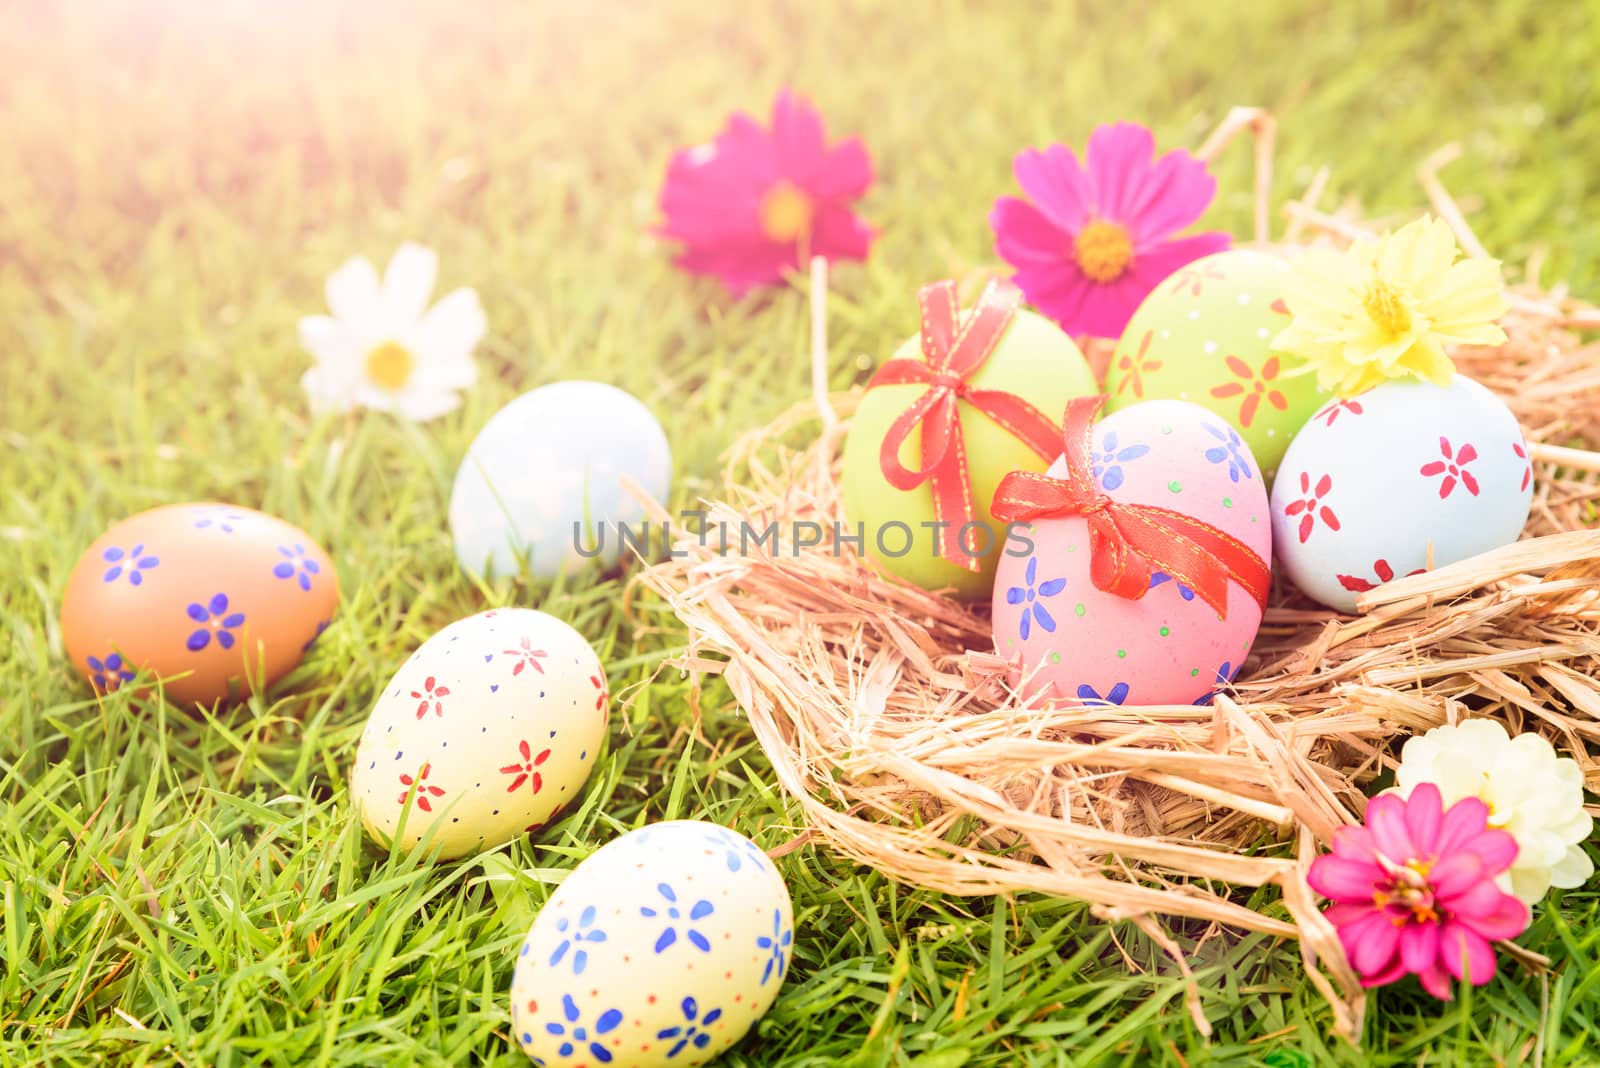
[[488, 731]]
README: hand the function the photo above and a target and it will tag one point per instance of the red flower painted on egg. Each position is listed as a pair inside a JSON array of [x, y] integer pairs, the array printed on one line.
[[1332, 411], [1255, 388], [1453, 467], [1136, 365], [1309, 506], [430, 694], [1195, 277], [603, 695], [1527, 471], [525, 770], [527, 656], [1381, 568], [425, 791]]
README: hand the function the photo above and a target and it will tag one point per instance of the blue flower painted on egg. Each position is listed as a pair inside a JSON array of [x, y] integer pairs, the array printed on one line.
[[1114, 696], [132, 562], [220, 518], [695, 1031], [1109, 460], [110, 673], [1230, 451], [322, 625], [575, 935], [678, 919], [736, 849], [576, 1038], [777, 945], [216, 622], [296, 565], [1029, 595], [1225, 674], [1158, 577]]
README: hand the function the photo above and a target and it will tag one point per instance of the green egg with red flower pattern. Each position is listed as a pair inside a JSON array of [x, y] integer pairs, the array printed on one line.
[[1033, 360], [1204, 335]]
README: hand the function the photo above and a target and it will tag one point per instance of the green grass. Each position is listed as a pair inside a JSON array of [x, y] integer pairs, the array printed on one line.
[[176, 180]]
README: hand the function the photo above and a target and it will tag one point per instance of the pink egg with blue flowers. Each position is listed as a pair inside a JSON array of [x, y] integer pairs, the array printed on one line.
[[1068, 640]]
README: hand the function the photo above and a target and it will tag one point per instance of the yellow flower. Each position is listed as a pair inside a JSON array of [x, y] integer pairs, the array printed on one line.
[[1387, 307]]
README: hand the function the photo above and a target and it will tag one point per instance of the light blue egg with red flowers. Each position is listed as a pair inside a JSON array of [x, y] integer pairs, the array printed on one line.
[[1405, 476]]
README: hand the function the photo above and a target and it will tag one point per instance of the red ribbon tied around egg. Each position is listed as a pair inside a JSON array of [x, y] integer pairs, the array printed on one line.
[[954, 350], [1127, 542]]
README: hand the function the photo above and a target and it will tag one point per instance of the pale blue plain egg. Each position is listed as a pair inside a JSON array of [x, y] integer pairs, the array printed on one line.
[[552, 458]]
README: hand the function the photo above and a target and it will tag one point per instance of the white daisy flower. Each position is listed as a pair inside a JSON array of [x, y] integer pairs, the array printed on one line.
[[1533, 794], [384, 348]]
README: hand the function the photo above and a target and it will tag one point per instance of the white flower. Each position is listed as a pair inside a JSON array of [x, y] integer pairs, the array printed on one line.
[[1533, 794], [384, 348]]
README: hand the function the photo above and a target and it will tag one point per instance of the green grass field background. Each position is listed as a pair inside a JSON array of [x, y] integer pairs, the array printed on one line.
[[176, 180]]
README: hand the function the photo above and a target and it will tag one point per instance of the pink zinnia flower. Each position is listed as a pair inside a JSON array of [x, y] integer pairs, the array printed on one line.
[[1414, 891], [1092, 241], [758, 202]]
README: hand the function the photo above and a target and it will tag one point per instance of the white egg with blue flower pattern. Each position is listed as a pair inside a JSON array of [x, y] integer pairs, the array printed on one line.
[[660, 949]]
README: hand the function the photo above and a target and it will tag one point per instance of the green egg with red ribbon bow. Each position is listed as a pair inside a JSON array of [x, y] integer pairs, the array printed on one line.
[[975, 395], [1204, 335]]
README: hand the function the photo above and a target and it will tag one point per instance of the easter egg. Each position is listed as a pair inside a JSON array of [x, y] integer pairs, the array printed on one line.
[[1067, 639], [213, 600], [1035, 361], [662, 948], [544, 479], [1378, 486], [1204, 335], [484, 734]]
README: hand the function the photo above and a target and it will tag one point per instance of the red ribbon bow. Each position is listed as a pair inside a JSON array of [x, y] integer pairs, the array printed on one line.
[[1128, 541], [954, 351]]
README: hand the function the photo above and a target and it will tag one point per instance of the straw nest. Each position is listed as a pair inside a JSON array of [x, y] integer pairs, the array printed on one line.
[[887, 717]]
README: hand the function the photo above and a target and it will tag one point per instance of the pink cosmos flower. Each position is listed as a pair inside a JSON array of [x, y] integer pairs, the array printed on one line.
[[1414, 891], [1091, 241], [759, 201]]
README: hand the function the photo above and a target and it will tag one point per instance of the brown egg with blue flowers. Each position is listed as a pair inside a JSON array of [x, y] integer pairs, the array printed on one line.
[[211, 601]]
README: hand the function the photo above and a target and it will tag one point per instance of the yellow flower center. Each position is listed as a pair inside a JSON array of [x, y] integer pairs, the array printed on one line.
[[390, 364], [1498, 818], [1408, 890], [786, 213], [1104, 250], [1386, 306]]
